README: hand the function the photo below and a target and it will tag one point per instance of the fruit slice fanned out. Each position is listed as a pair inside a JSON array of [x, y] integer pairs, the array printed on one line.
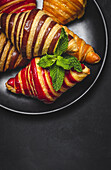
[[36, 82]]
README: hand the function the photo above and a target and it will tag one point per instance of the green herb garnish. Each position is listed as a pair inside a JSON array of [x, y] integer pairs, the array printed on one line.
[[47, 61], [62, 43], [57, 73], [57, 64]]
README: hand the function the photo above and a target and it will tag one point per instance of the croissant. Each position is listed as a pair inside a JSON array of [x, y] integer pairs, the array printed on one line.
[[35, 81], [16, 6], [64, 11], [85, 51], [33, 33], [10, 58]]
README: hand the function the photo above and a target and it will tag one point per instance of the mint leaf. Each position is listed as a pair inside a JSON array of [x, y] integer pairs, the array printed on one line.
[[65, 63], [57, 74], [47, 61], [76, 63], [62, 43], [67, 56], [77, 67]]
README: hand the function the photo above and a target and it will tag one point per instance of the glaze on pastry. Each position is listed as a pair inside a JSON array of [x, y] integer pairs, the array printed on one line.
[[33, 33], [64, 11], [85, 51], [10, 58], [36, 82], [16, 6]]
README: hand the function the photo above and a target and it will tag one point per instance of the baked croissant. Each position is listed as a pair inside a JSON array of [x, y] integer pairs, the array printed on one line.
[[64, 11], [34, 33], [10, 58], [16, 6], [35, 81], [85, 51], [60, 11]]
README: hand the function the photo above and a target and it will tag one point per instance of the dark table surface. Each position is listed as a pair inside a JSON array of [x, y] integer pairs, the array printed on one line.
[[78, 137]]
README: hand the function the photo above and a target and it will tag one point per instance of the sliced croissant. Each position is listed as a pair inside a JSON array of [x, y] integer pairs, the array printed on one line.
[[36, 82], [64, 11], [33, 33], [10, 58]]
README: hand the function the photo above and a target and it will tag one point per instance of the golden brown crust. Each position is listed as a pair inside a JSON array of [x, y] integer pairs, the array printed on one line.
[[85, 51], [64, 11]]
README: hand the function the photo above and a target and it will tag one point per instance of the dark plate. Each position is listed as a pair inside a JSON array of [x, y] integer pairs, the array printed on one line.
[[92, 29]]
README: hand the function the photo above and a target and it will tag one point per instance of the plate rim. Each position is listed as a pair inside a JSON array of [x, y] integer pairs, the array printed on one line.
[[63, 107]]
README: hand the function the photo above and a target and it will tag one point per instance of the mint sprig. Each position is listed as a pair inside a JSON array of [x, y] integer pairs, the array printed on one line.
[[75, 62], [47, 61], [57, 73], [57, 64], [62, 43], [65, 63]]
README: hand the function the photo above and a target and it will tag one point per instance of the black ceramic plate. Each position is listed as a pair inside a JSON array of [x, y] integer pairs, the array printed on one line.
[[92, 29]]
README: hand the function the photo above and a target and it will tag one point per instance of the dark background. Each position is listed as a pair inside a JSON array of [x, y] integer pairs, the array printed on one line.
[[78, 137]]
